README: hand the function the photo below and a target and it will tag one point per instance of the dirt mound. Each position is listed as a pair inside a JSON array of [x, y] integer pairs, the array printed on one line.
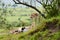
[[53, 25]]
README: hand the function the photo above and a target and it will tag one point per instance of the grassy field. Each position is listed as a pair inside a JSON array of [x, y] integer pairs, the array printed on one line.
[[22, 13], [40, 32], [48, 29]]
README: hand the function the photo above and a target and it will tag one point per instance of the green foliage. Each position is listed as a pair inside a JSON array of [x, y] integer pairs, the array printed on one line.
[[40, 32], [12, 21], [52, 9]]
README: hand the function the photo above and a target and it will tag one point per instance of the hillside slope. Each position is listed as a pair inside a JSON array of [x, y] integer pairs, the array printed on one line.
[[46, 30]]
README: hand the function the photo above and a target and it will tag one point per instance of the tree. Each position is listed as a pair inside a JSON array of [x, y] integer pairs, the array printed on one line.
[[14, 5], [50, 6], [0, 2], [23, 3], [3, 11]]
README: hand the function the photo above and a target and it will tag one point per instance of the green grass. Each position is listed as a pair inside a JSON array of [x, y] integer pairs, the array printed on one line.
[[19, 13], [32, 35], [36, 33]]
